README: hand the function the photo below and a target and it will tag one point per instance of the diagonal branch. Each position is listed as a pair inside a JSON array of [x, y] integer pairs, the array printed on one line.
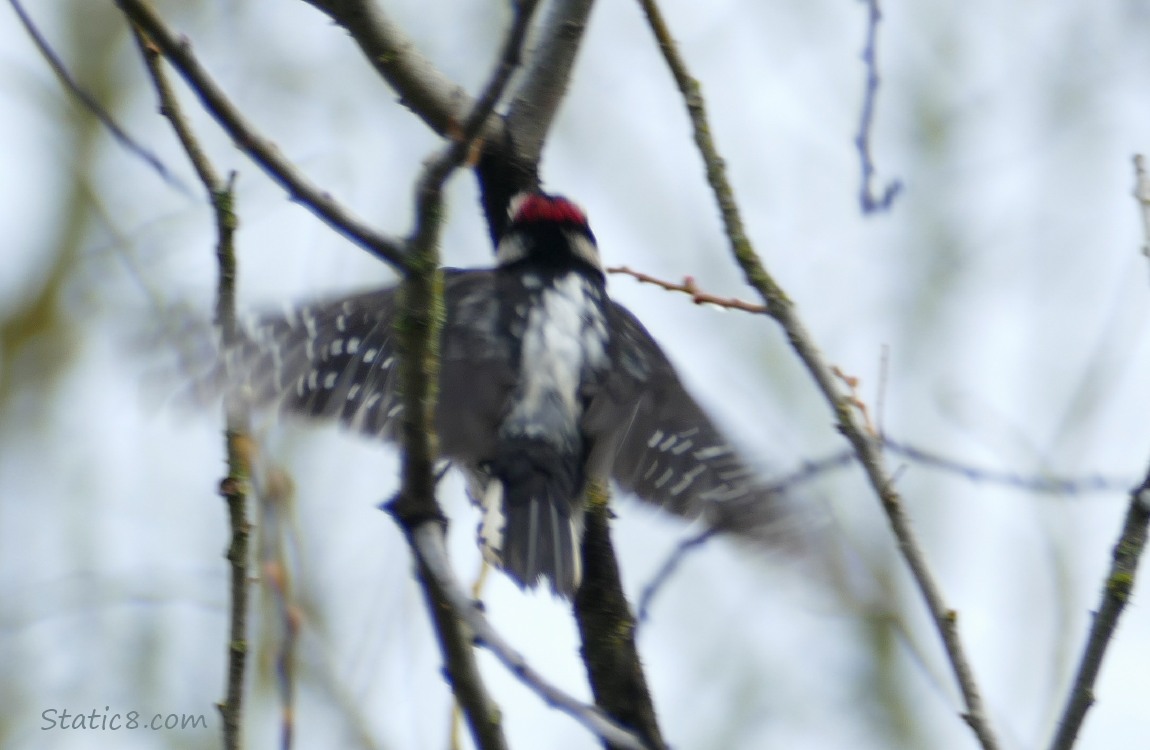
[[428, 541], [423, 88], [1116, 592], [1120, 581], [867, 447], [90, 103], [259, 148]]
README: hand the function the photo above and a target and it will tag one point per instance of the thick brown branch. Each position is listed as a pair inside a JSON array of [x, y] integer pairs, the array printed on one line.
[[533, 109], [607, 629]]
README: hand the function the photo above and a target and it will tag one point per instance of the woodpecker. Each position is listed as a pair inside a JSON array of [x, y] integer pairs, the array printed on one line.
[[545, 385]]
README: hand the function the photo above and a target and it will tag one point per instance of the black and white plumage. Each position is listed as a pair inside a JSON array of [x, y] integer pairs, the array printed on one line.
[[545, 384]]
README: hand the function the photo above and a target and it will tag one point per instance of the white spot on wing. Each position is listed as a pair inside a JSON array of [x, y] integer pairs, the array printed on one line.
[[705, 454], [685, 482]]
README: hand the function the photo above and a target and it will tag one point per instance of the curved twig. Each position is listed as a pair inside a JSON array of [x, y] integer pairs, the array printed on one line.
[[890, 191]]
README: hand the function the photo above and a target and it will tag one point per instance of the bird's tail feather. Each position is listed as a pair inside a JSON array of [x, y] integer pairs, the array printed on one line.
[[532, 521]]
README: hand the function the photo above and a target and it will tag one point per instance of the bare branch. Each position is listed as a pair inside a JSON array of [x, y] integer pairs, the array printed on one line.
[[89, 102], [274, 489], [698, 296], [418, 327], [607, 630], [867, 447], [867, 200], [423, 88], [1116, 591], [237, 444], [1127, 552], [670, 565], [428, 541], [259, 148], [512, 165], [544, 84]]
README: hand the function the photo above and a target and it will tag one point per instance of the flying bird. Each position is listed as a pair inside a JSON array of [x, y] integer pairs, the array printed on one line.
[[545, 385]]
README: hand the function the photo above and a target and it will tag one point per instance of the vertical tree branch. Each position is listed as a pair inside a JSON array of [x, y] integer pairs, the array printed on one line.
[[418, 327], [867, 447], [607, 630], [537, 100], [237, 446], [867, 200], [511, 164]]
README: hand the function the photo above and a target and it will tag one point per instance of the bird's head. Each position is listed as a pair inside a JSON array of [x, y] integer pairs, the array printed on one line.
[[548, 231]]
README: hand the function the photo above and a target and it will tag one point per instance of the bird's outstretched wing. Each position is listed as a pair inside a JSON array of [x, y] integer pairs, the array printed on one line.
[[655, 440], [337, 360]]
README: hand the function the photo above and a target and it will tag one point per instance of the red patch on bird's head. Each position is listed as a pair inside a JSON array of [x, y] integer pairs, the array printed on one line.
[[540, 207]]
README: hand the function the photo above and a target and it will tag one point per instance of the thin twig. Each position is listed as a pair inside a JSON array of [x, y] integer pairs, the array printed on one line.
[[1127, 552], [89, 102], [274, 490], [1079, 485], [866, 447], [669, 566], [236, 442], [260, 149], [1142, 195], [689, 286], [890, 191], [428, 540], [1116, 591]]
